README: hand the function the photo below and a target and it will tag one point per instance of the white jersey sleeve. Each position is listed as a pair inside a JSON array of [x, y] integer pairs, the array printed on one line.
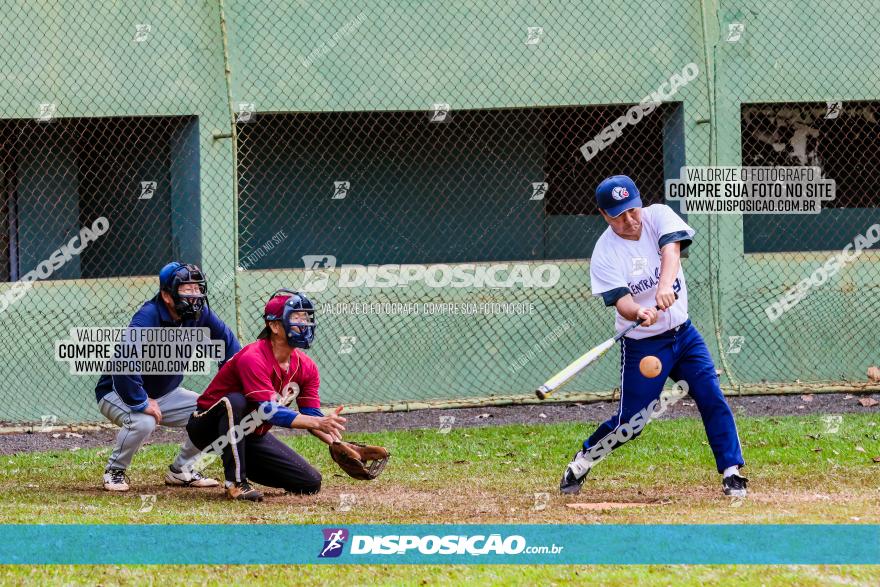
[[605, 275], [670, 227]]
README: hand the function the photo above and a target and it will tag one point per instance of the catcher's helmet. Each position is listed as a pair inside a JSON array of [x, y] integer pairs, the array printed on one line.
[[281, 305], [175, 274]]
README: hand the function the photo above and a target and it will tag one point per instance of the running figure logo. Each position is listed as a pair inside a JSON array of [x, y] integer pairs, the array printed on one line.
[[334, 540]]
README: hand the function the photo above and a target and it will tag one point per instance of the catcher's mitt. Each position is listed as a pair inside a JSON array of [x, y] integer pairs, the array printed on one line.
[[359, 460]]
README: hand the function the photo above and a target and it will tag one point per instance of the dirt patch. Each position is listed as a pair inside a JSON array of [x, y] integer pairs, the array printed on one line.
[[607, 505], [764, 405]]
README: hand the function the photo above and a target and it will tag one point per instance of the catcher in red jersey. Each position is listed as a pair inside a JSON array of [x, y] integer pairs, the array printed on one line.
[[252, 392]]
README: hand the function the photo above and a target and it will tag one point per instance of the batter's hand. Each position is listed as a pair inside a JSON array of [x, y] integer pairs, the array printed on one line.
[[153, 410], [665, 297], [649, 315]]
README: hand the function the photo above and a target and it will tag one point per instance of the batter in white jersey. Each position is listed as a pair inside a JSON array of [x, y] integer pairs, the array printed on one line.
[[636, 267], [621, 266]]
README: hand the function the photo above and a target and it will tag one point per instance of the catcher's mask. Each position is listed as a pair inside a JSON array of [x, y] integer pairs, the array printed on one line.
[[281, 307], [172, 276]]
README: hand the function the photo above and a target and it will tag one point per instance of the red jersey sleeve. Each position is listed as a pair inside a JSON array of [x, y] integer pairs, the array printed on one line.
[[309, 383], [256, 378]]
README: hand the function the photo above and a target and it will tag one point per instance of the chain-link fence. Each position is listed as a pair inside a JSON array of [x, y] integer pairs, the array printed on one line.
[[426, 172]]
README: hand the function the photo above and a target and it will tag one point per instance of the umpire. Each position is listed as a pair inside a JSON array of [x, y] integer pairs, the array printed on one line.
[[138, 403]]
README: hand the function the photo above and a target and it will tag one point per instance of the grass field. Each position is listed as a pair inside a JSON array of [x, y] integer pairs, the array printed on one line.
[[799, 473]]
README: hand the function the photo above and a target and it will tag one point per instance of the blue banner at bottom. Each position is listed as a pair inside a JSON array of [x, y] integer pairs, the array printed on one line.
[[440, 544]]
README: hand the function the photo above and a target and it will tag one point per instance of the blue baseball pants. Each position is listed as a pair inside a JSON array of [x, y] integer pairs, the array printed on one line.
[[684, 356]]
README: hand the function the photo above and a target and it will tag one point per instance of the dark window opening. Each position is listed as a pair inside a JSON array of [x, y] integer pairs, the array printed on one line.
[[395, 187], [843, 139], [141, 174]]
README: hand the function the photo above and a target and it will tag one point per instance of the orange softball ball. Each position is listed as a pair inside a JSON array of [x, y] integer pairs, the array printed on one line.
[[650, 366]]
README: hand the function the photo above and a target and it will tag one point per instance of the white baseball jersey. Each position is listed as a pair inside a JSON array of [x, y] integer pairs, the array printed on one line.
[[620, 266]]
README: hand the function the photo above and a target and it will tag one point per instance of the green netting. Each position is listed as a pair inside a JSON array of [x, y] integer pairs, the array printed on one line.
[[325, 145]]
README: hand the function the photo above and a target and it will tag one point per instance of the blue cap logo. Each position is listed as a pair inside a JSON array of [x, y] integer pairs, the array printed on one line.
[[617, 194]]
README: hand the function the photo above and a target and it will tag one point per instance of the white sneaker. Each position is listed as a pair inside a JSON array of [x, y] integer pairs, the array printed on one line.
[[115, 480], [575, 475], [735, 485], [188, 479]]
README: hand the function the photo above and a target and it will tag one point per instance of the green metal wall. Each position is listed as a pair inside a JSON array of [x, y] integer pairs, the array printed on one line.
[[205, 58]]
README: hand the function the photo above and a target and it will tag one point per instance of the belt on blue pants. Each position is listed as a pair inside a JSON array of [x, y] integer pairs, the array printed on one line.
[[670, 332]]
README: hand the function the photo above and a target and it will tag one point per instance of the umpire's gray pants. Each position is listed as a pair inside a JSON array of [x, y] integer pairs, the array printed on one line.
[[135, 427]]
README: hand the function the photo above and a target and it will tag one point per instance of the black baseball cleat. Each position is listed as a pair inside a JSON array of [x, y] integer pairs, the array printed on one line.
[[243, 492], [571, 484], [734, 485]]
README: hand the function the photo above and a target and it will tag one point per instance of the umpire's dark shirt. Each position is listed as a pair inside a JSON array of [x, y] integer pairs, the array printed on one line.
[[135, 389]]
